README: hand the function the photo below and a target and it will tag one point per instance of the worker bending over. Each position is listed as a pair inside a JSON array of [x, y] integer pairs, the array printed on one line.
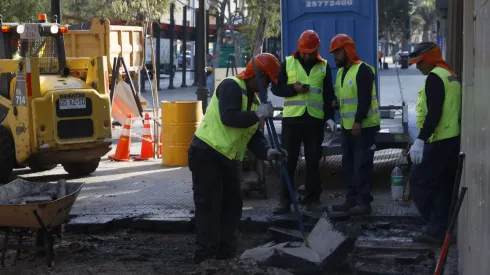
[[434, 153], [360, 120], [305, 81], [230, 125]]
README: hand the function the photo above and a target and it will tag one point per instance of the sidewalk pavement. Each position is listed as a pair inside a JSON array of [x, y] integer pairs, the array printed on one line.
[[148, 195]]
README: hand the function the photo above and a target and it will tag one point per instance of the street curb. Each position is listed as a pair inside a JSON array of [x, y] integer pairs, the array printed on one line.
[[177, 225], [249, 224]]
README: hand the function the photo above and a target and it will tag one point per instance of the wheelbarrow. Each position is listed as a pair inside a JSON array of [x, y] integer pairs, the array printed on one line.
[[42, 208]]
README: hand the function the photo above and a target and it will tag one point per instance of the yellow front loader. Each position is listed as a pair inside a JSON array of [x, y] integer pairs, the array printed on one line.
[[48, 117]]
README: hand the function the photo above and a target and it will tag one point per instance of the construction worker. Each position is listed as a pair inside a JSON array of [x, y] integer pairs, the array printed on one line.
[[434, 153], [360, 120], [16, 49], [380, 56], [230, 126], [305, 81], [209, 72]]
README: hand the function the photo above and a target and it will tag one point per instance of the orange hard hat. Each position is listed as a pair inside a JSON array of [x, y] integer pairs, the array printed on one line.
[[339, 41], [308, 42], [266, 63]]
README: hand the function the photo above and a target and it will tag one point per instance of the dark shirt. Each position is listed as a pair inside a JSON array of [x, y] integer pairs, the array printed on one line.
[[282, 89], [229, 96], [364, 80], [435, 93]]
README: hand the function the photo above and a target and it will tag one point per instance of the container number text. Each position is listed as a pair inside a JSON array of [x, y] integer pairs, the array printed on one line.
[[314, 4]]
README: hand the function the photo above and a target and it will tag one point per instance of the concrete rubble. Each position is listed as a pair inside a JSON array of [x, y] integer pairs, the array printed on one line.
[[239, 267], [328, 251], [21, 192]]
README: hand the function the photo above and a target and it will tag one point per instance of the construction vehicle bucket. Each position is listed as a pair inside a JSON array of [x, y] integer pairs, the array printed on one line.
[[124, 103]]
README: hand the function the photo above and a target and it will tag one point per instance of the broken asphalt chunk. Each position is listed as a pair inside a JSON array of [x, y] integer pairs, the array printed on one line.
[[328, 250]]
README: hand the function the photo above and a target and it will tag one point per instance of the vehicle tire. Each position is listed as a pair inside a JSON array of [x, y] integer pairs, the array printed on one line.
[[79, 169], [42, 168], [7, 154]]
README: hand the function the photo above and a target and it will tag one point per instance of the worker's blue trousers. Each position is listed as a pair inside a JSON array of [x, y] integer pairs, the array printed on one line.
[[431, 184]]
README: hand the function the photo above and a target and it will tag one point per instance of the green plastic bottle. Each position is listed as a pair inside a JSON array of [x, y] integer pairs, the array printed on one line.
[[397, 183]]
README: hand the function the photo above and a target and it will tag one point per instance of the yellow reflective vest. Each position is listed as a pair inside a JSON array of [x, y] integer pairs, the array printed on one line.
[[346, 92], [450, 123], [312, 101], [229, 141]]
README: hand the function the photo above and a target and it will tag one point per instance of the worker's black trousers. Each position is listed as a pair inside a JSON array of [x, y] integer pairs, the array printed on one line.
[[217, 197], [357, 165], [432, 181], [311, 135]]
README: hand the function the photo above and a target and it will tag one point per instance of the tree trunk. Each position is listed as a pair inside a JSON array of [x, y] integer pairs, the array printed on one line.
[[238, 49], [259, 35], [219, 32], [405, 44], [425, 33], [236, 39]]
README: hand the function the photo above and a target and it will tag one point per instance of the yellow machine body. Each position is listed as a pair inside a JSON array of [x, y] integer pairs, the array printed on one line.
[[55, 119]]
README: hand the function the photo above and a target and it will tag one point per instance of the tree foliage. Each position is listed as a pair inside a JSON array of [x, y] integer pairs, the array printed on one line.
[[262, 21], [425, 10], [82, 10], [393, 18], [140, 9], [23, 11]]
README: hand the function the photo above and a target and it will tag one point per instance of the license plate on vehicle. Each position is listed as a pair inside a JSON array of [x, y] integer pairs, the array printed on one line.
[[31, 32], [73, 103]]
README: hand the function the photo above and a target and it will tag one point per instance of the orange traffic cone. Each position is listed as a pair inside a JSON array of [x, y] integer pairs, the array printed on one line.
[[147, 142], [124, 143]]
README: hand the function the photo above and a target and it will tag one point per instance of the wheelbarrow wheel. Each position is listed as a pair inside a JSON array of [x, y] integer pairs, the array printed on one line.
[[80, 169], [7, 154]]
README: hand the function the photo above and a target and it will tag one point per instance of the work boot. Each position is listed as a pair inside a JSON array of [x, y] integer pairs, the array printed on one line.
[[314, 206], [225, 251], [424, 238], [282, 208], [344, 207], [361, 209], [202, 254]]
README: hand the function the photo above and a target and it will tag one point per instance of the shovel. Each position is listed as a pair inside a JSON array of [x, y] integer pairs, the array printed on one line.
[[272, 133]]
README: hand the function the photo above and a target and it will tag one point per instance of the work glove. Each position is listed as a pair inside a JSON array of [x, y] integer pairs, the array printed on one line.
[[265, 111], [332, 125], [330, 132], [275, 154], [417, 151]]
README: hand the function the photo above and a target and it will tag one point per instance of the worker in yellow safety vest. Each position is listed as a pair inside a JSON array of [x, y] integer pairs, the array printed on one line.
[[16, 49], [360, 121], [305, 82], [231, 125], [434, 153]]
